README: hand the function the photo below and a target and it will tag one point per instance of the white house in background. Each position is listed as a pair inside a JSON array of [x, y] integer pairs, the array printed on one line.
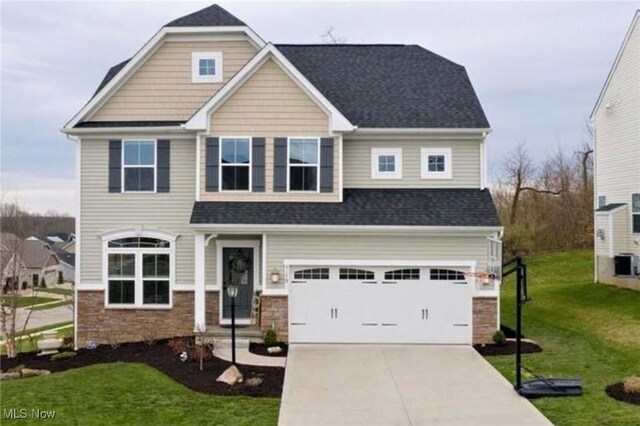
[[616, 130]]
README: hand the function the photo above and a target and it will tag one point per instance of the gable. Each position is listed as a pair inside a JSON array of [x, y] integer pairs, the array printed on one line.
[[269, 103], [162, 89]]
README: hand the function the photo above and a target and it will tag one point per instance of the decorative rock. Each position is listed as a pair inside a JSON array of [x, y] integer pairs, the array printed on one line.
[[184, 357], [29, 372], [274, 350], [9, 376], [254, 381], [231, 376], [17, 368]]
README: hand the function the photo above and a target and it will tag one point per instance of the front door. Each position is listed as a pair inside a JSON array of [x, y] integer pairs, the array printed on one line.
[[237, 269]]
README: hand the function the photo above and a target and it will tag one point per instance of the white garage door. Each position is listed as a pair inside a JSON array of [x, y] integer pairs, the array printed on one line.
[[379, 305]]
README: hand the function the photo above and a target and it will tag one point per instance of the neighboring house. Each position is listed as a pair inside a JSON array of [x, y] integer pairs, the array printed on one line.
[[616, 133], [342, 184], [39, 265], [66, 254]]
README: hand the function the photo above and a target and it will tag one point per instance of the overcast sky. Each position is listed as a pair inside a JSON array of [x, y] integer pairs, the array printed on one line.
[[537, 67]]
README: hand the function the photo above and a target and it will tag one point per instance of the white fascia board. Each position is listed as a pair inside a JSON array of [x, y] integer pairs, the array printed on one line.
[[143, 53], [200, 120], [110, 130], [428, 130], [635, 20], [355, 229], [360, 262]]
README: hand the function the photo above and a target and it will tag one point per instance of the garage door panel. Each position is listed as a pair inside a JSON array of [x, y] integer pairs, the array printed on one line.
[[396, 306]]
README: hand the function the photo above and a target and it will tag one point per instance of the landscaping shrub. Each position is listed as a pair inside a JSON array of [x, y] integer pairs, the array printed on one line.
[[632, 385], [499, 338], [62, 355], [177, 345], [270, 338]]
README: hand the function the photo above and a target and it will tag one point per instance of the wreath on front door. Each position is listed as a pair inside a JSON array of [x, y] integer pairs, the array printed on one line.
[[239, 267]]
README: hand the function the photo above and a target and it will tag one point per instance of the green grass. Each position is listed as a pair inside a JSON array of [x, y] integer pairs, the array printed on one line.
[[52, 305], [63, 291], [130, 394], [587, 330], [25, 301], [45, 327]]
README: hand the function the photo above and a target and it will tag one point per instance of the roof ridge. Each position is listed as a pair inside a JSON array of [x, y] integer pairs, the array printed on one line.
[[210, 16], [342, 44]]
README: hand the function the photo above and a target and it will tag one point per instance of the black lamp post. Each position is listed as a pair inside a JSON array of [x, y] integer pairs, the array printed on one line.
[[232, 292]]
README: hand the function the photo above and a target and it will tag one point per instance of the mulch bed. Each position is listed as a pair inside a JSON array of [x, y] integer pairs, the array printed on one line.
[[161, 357], [261, 349], [508, 349], [616, 391], [509, 332]]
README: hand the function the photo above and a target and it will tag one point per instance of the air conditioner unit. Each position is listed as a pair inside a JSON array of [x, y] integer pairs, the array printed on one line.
[[625, 264]]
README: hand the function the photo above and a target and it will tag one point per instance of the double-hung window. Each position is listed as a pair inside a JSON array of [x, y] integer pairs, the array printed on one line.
[[139, 165], [139, 272], [235, 163], [436, 163], [386, 163], [304, 164], [635, 211]]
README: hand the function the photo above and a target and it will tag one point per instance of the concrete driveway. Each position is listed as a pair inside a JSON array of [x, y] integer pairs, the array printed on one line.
[[398, 385]]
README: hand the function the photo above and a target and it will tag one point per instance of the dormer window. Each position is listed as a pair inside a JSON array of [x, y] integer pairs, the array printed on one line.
[[206, 67], [386, 163], [436, 163]]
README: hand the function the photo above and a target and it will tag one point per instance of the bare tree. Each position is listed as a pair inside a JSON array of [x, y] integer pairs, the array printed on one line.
[[329, 37]]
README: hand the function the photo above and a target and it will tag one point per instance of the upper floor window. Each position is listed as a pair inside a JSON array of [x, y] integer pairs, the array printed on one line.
[[635, 210], [139, 165], [235, 164], [206, 67], [386, 163], [304, 164], [435, 163], [602, 201]]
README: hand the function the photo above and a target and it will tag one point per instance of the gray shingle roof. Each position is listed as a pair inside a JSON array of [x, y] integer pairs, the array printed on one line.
[[110, 74], [212, 16], [391, 86], [610, 207], [383, 207]]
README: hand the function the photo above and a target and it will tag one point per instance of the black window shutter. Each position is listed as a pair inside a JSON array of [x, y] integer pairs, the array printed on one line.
[[163, 162], [257, 164], [211, 164], [280, 165], [326, 165], [115, 165]]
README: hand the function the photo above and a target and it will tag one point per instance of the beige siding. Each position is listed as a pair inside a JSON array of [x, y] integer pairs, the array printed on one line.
[[269, 104], [465, 162], [617, 135], [103, 211], [621, 228], [161, 89], [374, 247], [602, 243]]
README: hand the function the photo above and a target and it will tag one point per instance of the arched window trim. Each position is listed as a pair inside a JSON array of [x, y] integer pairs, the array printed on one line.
[[138, 232]]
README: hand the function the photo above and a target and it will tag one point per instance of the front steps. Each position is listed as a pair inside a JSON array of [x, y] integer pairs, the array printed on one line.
[[220, 337]]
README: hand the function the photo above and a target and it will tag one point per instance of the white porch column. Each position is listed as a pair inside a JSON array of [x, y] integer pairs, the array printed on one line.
[[200, 291]]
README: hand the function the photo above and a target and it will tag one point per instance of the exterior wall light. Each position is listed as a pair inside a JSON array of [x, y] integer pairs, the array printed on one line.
[[275, 276]]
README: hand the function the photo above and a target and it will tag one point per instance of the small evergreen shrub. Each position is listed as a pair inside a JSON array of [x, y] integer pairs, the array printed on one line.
[[499, 338], [270, 338], [62, 355]]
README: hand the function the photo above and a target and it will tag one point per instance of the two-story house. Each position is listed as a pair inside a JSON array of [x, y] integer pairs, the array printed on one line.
[[340, 189], [616, 133]]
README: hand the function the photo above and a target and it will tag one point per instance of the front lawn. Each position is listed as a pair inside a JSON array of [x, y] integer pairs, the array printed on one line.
[[125, 393], [586, 330], [26, 301]]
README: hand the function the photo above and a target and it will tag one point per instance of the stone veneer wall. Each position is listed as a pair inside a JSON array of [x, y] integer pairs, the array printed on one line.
[[485, 319], [104, 326], [274, 313]]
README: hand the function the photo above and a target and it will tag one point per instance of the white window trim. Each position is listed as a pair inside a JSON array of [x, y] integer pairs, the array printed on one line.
[[633, 213], [195, 67], [250, 165], [154, 166], [138, 232], [376, 153], [424, 163], [289, 165]]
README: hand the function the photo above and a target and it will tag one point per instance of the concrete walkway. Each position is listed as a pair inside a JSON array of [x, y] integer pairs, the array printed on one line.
[[244, 357], [398, 385]]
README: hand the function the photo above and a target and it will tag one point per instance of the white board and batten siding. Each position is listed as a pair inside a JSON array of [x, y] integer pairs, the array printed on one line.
[[103, 211]]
